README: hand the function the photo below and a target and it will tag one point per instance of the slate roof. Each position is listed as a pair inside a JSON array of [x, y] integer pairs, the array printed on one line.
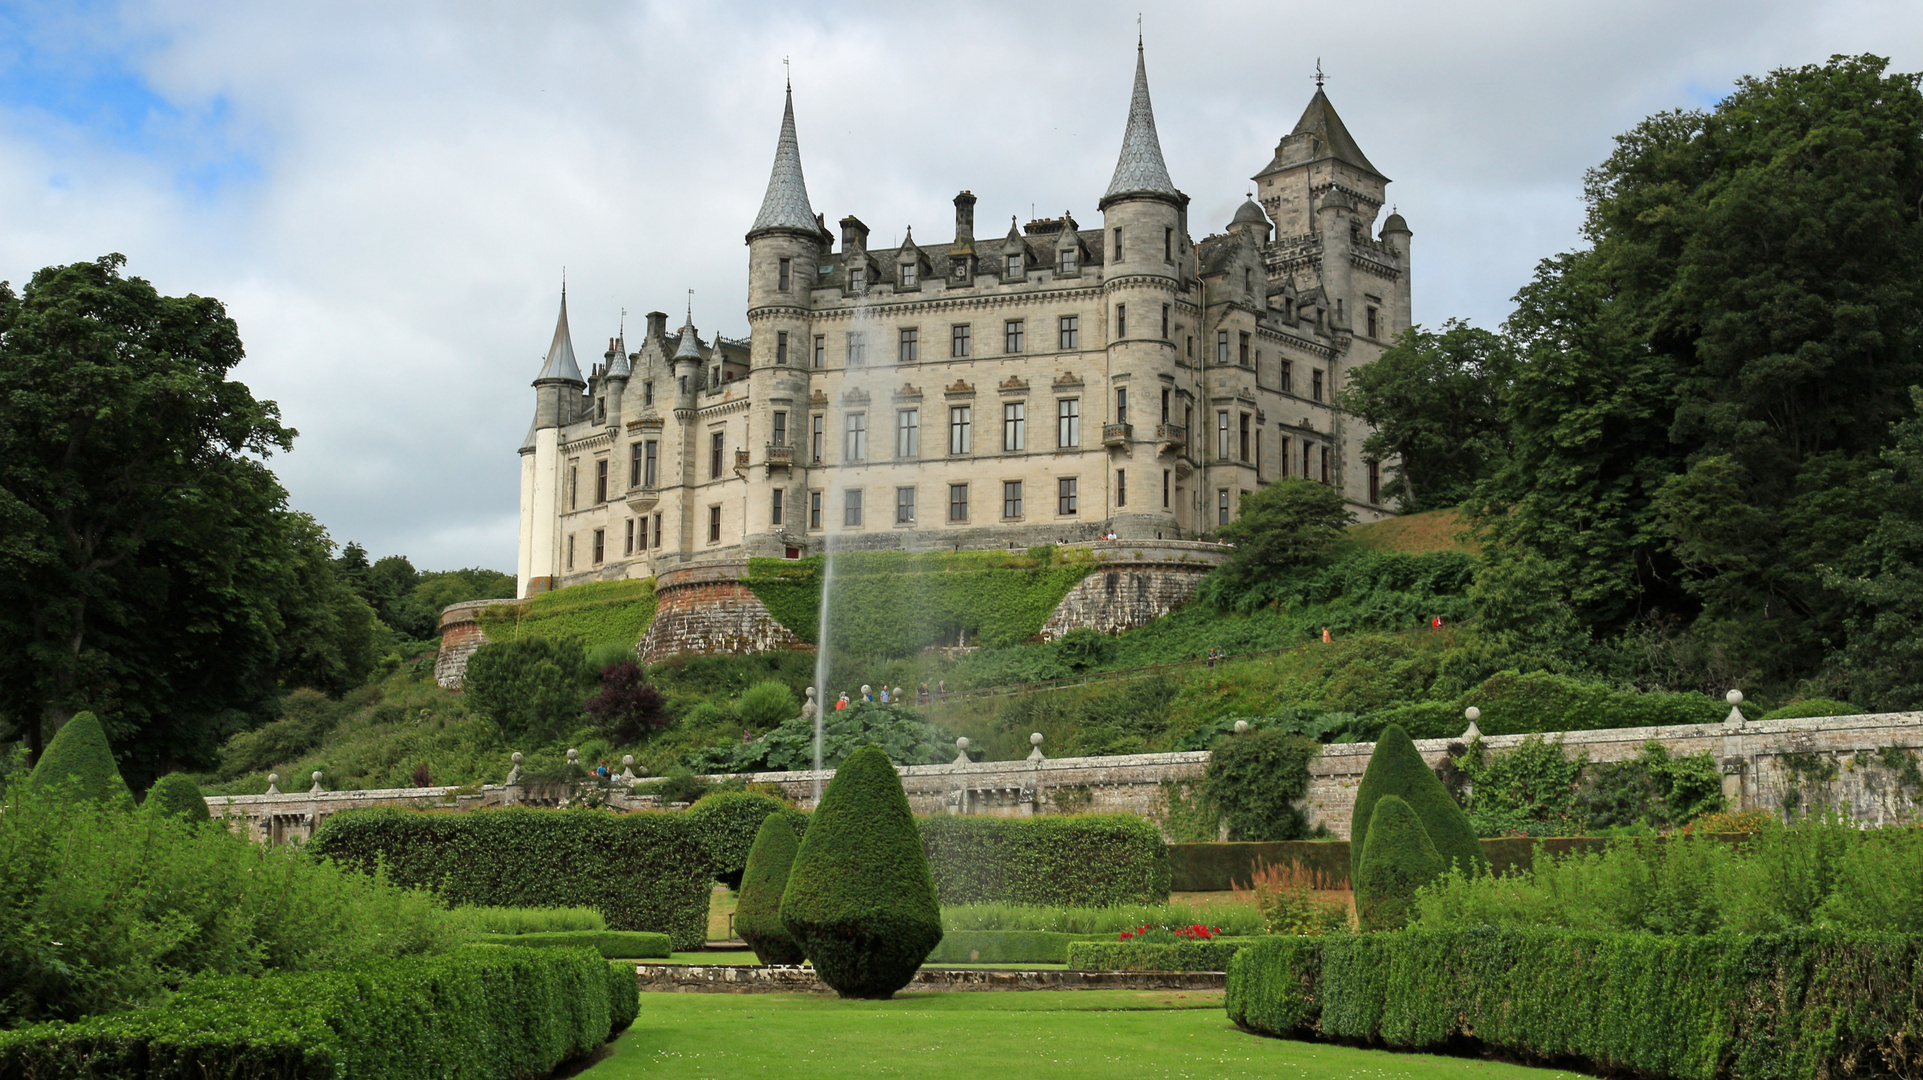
[[785, 206], [1329, 138], [1140, 170], [560, 363]]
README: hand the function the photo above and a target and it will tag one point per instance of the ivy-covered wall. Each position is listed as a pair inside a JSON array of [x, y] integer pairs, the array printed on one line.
[[891, 603], [597, 613]]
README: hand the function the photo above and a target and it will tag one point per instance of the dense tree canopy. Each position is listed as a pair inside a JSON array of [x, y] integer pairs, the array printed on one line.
[[1433, 400]]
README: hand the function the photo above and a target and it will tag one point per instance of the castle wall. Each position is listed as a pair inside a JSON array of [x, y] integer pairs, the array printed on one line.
[[706, 610], [1136, 584], [460, 636]]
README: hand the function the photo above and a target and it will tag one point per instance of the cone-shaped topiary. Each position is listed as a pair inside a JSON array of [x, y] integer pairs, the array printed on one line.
[[1397, 859], [173, 795], [1397, 768], [79, 763], [860, 899], [757, 917]]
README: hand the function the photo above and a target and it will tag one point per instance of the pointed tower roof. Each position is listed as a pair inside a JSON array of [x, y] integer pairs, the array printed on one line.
[[690, 341], [786, 206], [619, 367], [1140, 170], [1328, 137], [560, 363]]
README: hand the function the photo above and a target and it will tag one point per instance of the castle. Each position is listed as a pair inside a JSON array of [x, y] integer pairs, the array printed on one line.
[[1053, 384]]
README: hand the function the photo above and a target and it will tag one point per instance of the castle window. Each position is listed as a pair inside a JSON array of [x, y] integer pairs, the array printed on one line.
[[1121, 487], [1166, 477], [1243, 356], [1221, 346], [1011, 498], [1012, 335], [1288, 371], [781, 346], [600, 410], [1222, 506], [1258, 453], [958, 340], [774, 506], [1371, 321], [908, 273], [1375, 481], [907, 433], [657, 530], [1222, 436], [958, 502], [600, 545], [601, 480], [1191, 346], [857, 437], [634, 464], [716, 441], [1315, 384], [1248, 280], [1168, 245], [714, 524], [910, 344], [1118, 243], [1014, 426], [570, 551], [1325, 464], [817, 437], [1121, 404], [1068, 422], [1285, 457], [650, 463], [647, 392], [1164, 322], [783, 274], [1245, 438], [781, 429], [1308, 454], [684, 384], [857, 348], [960, 439], [821, 350], [1066, 263], [627, 544], [574, 487], [1013, 266], [1166, 395], [1121, 320], [858, 279], [814, 509], [714, 377], [851, 507], [1070, 329], [904, 506], [1065, 495]]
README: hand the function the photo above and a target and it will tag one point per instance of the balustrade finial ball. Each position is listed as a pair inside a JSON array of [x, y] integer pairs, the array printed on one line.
[[273, 778], [1472, 714], [811, 693], [515, 757], [961, 743], [574, 757], [627, 760], [1035, 739], [1241, 727], [317, 776], [1734, 697]]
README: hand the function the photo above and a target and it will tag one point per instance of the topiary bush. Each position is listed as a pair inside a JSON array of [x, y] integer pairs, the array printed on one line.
[[757, 917], [1812, 707], [727, 824], [79, 764], [174, 795], [1396, 768], [860, 899], [1397, 859]]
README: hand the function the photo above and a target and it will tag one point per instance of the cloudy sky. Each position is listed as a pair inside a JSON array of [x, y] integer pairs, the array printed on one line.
[[385, 194]]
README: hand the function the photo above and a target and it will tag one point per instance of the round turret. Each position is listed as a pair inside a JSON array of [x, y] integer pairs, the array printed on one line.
[[1395, 224], [1249, 213], [1333, 199]]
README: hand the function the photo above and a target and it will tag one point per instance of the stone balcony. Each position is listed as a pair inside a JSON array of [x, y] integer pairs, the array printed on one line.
[[1116, 435], [779, 457], [1171, 438], [643, 499]]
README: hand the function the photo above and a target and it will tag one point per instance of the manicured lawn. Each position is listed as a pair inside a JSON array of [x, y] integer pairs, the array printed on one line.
[[1106, 1034]]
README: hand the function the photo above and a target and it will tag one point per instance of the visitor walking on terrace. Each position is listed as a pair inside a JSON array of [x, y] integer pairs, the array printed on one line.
[[884, 695], [842, 703], [921, 695]]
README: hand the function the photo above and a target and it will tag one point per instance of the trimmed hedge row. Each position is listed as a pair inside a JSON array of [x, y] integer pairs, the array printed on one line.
[[1212, 867], [613, 944], [1007, 946], [1083, 860], [1796, 1006], [481, 1013], [643, 871], [1142, 956]]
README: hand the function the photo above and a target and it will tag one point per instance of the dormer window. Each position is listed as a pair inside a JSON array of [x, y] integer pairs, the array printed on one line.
[[1067, 262], [857, 278], [1014, 266], [908, 275]]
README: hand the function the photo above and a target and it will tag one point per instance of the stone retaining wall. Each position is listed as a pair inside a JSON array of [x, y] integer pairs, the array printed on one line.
[[460, 636], [1136, 584], [706, 610]]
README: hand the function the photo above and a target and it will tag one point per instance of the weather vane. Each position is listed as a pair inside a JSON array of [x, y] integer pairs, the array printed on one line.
[[1318, 73], [790, 72]]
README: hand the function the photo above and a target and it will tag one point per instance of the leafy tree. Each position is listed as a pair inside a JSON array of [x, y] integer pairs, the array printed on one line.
[[532, 687], [628, 707], [330, 638], [1257, 779], [1283, 527], [758, 914], [1881, 582], [143, 535], [1433, 399]]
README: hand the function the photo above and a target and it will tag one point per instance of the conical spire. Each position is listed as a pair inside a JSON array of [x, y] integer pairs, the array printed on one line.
[[560, 363], [1140, 170], [690, 341], [786, 206], [619, 367]]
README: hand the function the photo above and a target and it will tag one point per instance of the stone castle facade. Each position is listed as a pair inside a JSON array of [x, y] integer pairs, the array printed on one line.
[[1054, 384]]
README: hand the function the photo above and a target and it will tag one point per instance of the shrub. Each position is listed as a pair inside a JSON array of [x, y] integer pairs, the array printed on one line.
[[613, 944], [757, 917], [860, 900], [1812, 707], [1285, 895], [1798, 1006], [79, 763], [525, 920], [766, 704], [484, 1013], [644, 871], [1095, 860], [1397, 859], [1212, 955], [1396, 768], [174, 795], [1258, 780], [306, 716], [677, 785], [1007, 946], [531, 687], [899, 731], [727, 824], [1224, 867], [627, 707]]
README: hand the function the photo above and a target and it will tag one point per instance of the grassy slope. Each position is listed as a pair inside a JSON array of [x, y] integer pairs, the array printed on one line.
[[1431, 530], [966, 1036]]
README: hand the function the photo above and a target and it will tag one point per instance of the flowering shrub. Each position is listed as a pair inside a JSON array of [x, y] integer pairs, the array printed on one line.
[[1151, 934], [1285, 894]]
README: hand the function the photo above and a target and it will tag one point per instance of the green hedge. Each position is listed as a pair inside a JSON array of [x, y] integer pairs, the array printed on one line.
[[1007, 946], [725, 823], [1083, 860], [613, 944], [643, 871], [1212, 867], [1791, 1006], [1138, 956], [891, 603], [479, 1013], [597, 613]]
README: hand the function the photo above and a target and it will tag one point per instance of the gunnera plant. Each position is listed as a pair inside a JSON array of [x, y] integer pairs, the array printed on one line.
[[860, 899], [757, 916], [78, 763], [1396, 768], [1397, 859]]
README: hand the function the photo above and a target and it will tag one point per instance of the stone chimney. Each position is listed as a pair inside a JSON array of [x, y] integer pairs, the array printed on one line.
[[964, 218]]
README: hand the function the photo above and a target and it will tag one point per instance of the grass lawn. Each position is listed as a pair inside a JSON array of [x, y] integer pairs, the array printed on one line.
[[1109, 1034]]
